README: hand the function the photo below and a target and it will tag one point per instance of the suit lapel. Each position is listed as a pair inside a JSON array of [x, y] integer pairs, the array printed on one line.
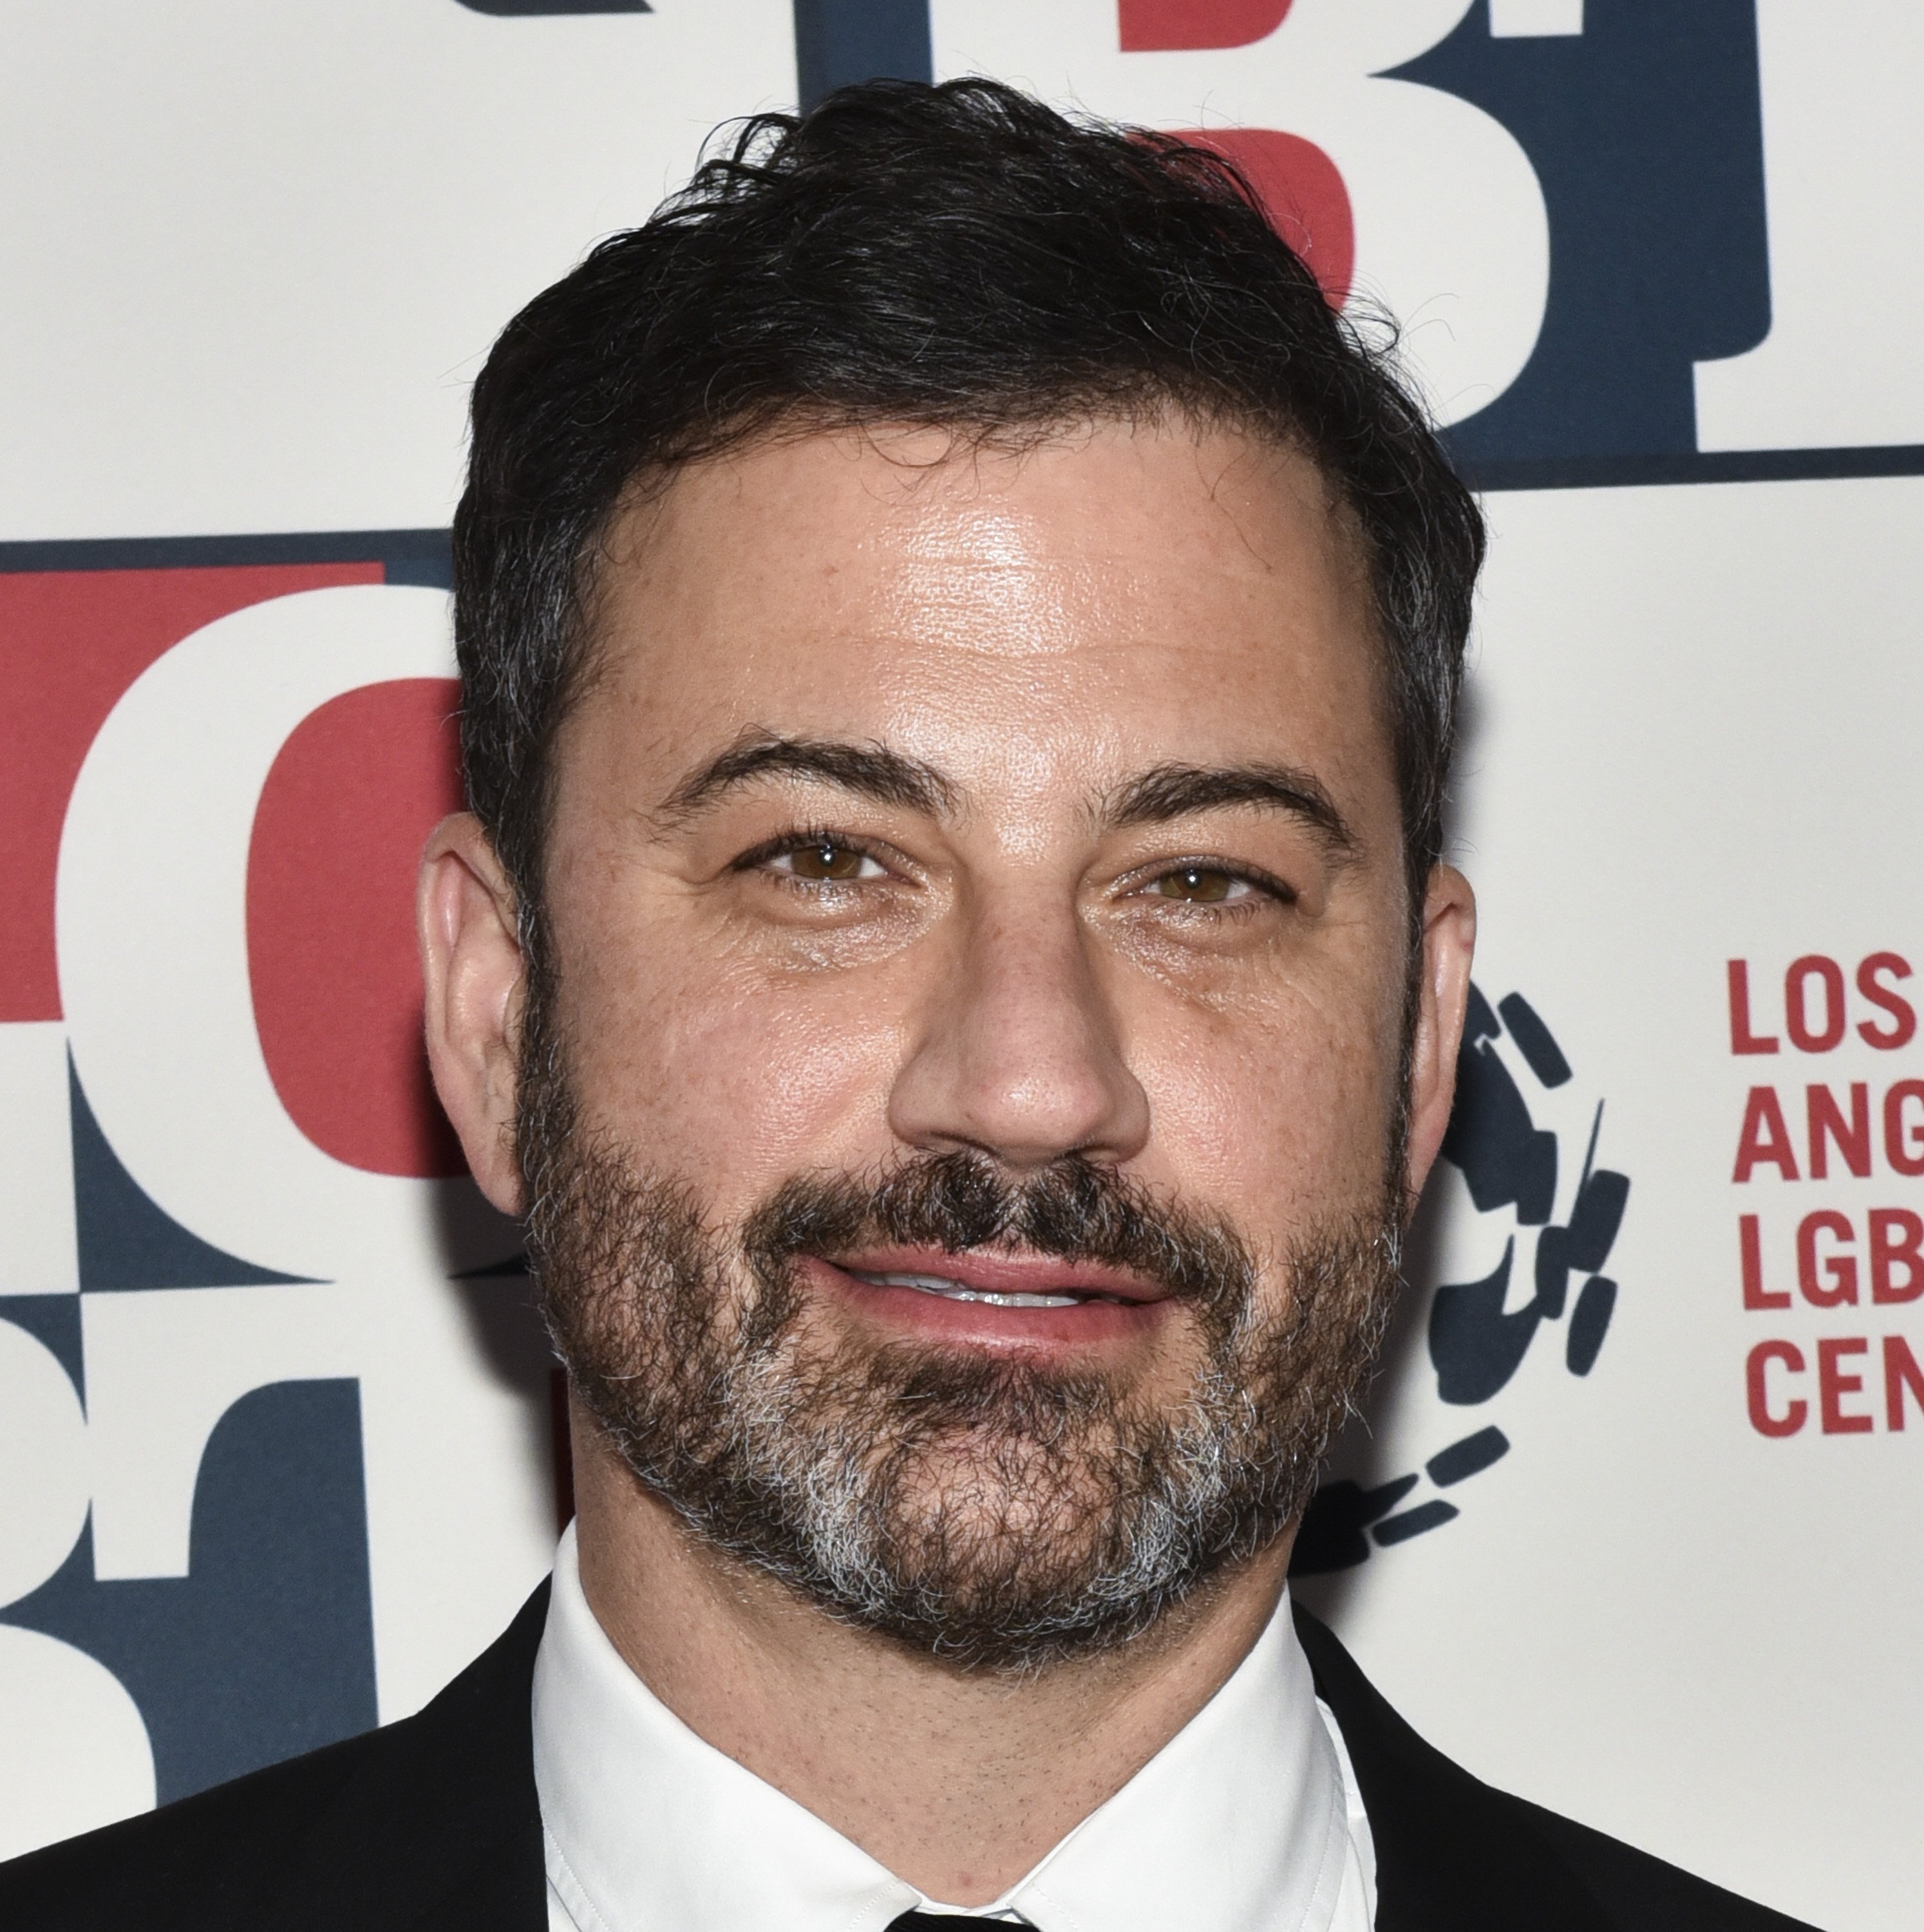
[[441, 1830], [1452, 1854]]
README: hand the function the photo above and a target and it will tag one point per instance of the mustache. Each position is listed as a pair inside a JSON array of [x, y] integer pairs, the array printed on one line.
[[1073, 1209]]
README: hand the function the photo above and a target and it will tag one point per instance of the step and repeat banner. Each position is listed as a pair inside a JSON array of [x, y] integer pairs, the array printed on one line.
[[1633, 1527]]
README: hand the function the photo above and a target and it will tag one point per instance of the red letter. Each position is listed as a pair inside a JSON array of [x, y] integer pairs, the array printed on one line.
[[1901, 1372], [1764, 1137], [1755, 1295], [1814, 965], [1743, 1040], [1904, 1026], [71, 643], [1833, 1385], [1762, 1419], [1840, 1284], [1903, 1150], [1896, 1235], [1149, 26], [1853, 1142]]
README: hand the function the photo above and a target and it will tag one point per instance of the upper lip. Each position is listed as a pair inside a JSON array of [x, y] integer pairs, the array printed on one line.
[[990, 1272]]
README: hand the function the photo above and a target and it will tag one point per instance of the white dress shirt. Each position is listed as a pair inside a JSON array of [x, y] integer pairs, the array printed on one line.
[[1248, 1820]]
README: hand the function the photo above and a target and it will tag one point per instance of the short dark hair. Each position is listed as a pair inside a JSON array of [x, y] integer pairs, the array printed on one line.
[[958, 256]]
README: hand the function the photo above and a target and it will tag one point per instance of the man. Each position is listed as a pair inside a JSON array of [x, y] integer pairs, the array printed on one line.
[[951, 954]]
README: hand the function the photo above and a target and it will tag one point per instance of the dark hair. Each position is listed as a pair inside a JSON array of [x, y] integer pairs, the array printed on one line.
[[957, 255]]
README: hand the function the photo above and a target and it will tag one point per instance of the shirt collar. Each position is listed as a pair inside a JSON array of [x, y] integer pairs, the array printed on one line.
[[1238, 1823]]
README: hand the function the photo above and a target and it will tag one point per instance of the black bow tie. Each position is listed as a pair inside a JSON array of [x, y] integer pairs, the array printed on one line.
[[947, 1922]]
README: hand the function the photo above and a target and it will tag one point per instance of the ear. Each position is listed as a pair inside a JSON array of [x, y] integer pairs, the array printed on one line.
[[472, 969], [1448, 941]]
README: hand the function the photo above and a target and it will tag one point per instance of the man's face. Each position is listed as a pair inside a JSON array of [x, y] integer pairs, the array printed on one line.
[[966, 1126]]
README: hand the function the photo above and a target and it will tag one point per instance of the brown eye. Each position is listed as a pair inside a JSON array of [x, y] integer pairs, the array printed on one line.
[[1197, 885], [823, 861]]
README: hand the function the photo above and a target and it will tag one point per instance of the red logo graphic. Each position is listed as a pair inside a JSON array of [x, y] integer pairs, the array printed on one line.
[[341, 825], [1152, 26], [331, 943]]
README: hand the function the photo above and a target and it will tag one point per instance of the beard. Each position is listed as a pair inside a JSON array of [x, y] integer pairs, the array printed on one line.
[[999, 1514]]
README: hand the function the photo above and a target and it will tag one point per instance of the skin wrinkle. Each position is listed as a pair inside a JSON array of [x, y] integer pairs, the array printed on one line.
[[723, 1050]]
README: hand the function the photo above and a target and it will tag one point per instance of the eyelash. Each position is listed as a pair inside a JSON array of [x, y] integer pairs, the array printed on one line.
[[808, 839], [1266, 886]]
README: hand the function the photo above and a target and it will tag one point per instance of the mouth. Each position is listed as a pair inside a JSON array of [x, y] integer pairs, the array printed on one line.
[[996, 1298], [951, 1290]]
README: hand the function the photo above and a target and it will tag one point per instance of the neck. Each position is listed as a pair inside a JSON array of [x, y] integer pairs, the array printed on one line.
[[958, 1783]]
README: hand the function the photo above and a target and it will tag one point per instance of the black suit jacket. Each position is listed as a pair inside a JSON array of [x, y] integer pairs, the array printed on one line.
[[431, 1824]]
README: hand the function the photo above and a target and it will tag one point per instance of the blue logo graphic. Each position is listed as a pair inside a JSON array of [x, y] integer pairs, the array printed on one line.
[[1476, 1343], [265, 1649]]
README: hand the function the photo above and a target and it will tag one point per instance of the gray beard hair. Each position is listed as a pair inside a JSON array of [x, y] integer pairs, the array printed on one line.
[[999, 1516]]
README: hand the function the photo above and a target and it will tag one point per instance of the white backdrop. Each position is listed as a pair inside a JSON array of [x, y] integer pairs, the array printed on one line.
[[274, 1440]]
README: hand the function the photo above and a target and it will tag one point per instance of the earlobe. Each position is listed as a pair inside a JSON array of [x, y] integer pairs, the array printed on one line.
[[472, 972], [1448, 943]]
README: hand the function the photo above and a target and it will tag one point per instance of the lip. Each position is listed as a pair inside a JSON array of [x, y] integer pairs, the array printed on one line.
[[992, 1274], [1079, 1304]]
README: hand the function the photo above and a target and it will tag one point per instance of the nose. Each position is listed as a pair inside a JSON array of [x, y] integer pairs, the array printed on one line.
[[1016, 1053]]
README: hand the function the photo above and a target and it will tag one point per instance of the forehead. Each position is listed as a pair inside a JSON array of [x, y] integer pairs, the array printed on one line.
[[1109, 596]]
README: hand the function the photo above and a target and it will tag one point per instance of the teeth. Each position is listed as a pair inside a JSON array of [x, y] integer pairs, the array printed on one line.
[[953, 1291]]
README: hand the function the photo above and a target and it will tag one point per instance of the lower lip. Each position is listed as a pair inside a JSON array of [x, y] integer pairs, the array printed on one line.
[[914, 1311]]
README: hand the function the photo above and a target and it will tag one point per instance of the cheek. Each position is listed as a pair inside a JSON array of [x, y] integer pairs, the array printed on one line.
[[710, 1072], [1277, 1112]]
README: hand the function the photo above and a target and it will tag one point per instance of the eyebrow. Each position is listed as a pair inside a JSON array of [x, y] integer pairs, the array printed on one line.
[[1174, 790], [871, 771]]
